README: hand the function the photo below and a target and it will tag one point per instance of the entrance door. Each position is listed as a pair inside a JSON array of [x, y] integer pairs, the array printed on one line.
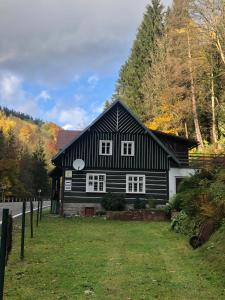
[[89, 211], [178, 182]]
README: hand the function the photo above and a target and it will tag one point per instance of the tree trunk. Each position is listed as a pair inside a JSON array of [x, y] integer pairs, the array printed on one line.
[[186, 129], [193, 99], [214, 131], [219, 47]]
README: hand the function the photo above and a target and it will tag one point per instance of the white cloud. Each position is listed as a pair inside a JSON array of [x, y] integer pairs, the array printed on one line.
[[97, 108], [9, 86], [15, 97], [76, 78], [69, 118], [93, 80], [44, 95], [51, 40]]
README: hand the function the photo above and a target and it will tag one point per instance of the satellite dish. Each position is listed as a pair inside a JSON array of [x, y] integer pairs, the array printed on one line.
[[78, 164]]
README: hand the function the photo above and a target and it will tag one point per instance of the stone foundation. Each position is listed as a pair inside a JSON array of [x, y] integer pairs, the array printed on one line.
[[138, 215], [78, 209]]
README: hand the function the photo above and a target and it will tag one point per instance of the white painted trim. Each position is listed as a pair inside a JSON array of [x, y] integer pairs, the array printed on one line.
[[133, 171], [178, 173], [127, 183], [88, 188], [101, 142], [122, 148]]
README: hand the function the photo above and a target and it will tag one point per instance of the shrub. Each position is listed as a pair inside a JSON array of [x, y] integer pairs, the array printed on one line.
[[182, 223], [152, 203], [168, 209], [139, 204], [100, 213], [200, 197], [114, 202]]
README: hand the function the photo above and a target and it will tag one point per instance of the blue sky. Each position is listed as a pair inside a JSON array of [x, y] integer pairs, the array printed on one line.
[[59, 60]]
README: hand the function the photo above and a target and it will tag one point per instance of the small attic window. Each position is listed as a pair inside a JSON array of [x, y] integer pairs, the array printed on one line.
[[105, 147], [127, 148]]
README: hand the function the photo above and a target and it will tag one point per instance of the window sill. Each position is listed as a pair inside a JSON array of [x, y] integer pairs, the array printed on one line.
[[135, 193], [94, 192]]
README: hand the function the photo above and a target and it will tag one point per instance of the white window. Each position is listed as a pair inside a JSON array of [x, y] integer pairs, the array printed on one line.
[[95, 183], [127, 148], [135, 184], [105, 147]]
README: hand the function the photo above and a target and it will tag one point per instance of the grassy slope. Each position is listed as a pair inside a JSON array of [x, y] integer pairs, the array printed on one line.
[[214, 252], [112, 259]]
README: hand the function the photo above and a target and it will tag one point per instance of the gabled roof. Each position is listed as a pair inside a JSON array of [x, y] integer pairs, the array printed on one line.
[[154, 137], [190, 142], [64, 137]]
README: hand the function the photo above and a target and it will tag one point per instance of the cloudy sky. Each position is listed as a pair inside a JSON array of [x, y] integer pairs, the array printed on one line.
[[59, 59]]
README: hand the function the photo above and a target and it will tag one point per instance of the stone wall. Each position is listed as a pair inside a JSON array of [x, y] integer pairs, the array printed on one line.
[[74, 209], [138, 215]]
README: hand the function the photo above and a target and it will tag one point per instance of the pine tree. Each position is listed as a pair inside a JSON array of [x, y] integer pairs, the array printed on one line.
[[106, 104], [40, 174], [129, 85], [2, 145], [11, 146], [26, 172]]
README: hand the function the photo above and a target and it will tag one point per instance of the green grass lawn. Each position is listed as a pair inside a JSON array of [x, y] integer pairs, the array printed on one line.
[[98, 259]]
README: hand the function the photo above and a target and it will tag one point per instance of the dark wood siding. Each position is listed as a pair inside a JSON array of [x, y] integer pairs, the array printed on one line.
[[148, 154], [118, 119], [156, 186], [117, 125]]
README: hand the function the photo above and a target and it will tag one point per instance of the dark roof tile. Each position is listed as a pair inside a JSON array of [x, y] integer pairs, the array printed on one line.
[[65, 137]]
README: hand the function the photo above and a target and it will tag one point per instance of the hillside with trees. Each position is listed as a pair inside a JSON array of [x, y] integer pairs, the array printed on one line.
[[175, 74], [26, 149]]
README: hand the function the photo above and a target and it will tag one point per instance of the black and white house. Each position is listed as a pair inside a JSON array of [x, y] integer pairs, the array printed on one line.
[[117, 154]]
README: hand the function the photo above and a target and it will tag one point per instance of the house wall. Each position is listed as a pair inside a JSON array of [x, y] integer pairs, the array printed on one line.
[[148, 155], [77, 199], [178, 173]]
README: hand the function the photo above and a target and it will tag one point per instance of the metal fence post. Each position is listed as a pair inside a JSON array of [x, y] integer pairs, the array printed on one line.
[[38, 208], [41, 206], [31, 218], [4, 233], [23, 231]]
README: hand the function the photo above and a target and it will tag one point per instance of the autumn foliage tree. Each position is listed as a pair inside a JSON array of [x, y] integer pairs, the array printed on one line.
[[182, 80], [23, 161]]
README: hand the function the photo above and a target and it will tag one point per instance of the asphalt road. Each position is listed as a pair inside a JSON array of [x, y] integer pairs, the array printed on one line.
[[16, 207]]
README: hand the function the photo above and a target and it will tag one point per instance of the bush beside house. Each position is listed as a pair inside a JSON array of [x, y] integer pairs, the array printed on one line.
[[200, 197]]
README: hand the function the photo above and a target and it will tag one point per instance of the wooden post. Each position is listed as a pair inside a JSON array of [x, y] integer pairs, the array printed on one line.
[[4, 233], [23, 230], [58, 196], [38, 208], [31, 218], [62, 192], [41, 206]]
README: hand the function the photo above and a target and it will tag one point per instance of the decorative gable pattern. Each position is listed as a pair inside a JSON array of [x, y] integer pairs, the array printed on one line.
[[118, 119]]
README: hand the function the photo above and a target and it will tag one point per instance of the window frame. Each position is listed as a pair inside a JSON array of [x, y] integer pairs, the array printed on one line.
[[127, 143], [138, 176], [100, 147], [91, 190]]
